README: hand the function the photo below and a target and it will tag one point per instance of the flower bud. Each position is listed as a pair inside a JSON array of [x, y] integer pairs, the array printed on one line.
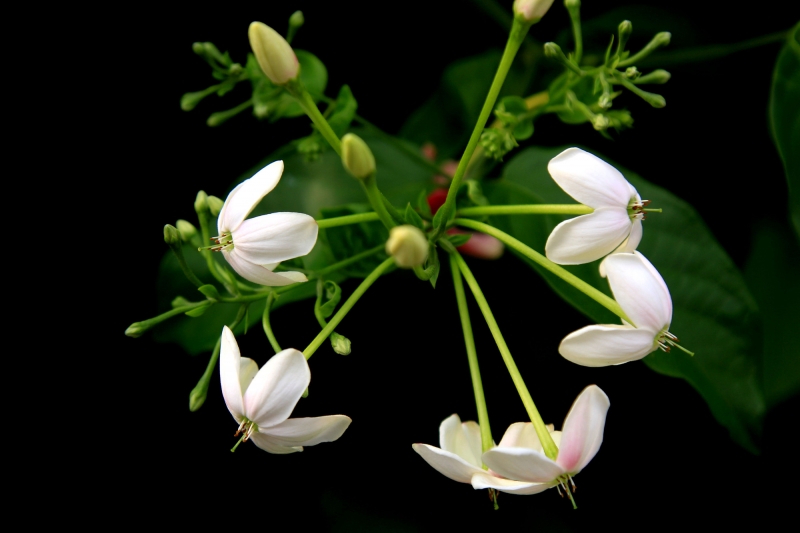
[[214, 205], [340, 343], [198, 396], [136, 329], [186, 229], [657, 76], [201, 202], [553, 51], [357, 158], [275, 56], [632, 73], [171, 235], [531, 10], [407, 245], [625, 29], [600, 122], [297, 20]]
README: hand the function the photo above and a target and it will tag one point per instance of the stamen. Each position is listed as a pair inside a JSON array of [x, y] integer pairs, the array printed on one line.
[[671, 336], [574, 487], [558, 488]]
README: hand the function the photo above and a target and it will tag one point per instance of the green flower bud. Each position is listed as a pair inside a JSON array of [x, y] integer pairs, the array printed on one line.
[[214, 205], [186, 229], [198, 396], [657, 76], [297, 19], [632, 73], [340, 343], [136, 329], [357, 158], [553, 51], [201, 202], [625, 29], [407, 245], [171, 235], [274, 55], [600, 122]]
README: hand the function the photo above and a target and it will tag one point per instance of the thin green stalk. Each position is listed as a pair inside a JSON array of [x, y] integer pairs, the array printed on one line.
[[518, 31], [575, 17], [539, 259], [324, 223], [310, 107], [347, 262], [550, 448], [267, 326], [376, 201], [472, 356], [530, 209], [345, 308], [137, 328]]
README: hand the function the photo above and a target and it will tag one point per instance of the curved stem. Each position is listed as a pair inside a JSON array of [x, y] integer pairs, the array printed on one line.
[[310, 107], [324, 223], [604, 300], [267, 326], [345, 308], [517, 35], [472, 356], [550, 448], [530, 209]]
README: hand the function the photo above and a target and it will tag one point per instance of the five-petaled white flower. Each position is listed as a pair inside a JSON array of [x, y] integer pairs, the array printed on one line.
[[525, 469], [459, 455], [262, 400], [254, 247], [615, 225], [642, 294]]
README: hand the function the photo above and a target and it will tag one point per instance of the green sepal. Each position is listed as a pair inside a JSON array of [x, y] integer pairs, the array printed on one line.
[[459, 239], [433, 266], [179, 301], [422, 205], [210, 292], [344, 111], [413, 218]]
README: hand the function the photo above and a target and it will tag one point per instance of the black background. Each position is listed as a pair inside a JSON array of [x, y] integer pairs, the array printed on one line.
[[664, 461]]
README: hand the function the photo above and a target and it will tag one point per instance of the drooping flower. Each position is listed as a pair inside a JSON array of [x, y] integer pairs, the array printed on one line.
[[524, 467], [459, 454], [642, 294], [262, 400], [254, 247], [615, 225]]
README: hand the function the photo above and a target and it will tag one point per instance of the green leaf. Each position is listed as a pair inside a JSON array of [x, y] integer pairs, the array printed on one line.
[[713, 312], [344, 112], [278, 102], [209, 291], [784, 117], [343, 242], [412, 217], [422, 204], [459, 238], [198, 311]]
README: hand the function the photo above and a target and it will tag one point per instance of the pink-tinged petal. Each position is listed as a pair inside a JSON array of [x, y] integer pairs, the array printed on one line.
[[308, 431], [245, 197], [447, 463], [583, 429], [266, 443], [521, 435], [607, 344], [257, 273], [588, 237], [484, 480], [275, 237], [640, 291], [590, 180], [629, 245], [462, 439], [522, 464], [277, 387], [229, 368], [482, 246]]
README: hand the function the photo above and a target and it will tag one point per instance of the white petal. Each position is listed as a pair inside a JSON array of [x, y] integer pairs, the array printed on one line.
[[521, 435], [464, 440], [629, 245], [293, 277], [447, 463], [266, 443], [522, 464], [275, 237], [583, 429], [259, 274], [245, 196], [589, 180], [588, 237], [229, 368], [484, 480], [607, 344], [308, 431], [247, 371], [640, 291], [277, 387]]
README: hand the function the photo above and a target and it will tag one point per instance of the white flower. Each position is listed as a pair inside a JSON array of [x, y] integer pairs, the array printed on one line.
[[460, 454], [254, 247], [262, 400], [527, 470], [616, 223], [642, 294]]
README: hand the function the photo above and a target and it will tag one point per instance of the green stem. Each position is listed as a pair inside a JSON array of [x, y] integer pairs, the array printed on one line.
[[518, 31], [550, 448], [303, 98], [575, 17], [324, 223], [539, 259], [345, 308], [137, 328], [472, 356], [376, 200], [530, 209], [267, 326], [347, 262]]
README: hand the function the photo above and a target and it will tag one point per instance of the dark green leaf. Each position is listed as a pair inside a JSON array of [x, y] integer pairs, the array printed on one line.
[[344, 111], [422, 204], [784, 115], [343, 242], [413, 218], [209, 291], [714, 314], [459, 238]]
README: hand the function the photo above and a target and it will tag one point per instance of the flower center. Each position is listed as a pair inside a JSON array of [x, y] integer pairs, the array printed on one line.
[[246, 430], [564, 482], [666, 341], [223, 241], [637, 208]]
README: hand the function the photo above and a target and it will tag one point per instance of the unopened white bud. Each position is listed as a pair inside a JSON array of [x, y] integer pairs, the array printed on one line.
[[531, 10], [215, 205], [275, 56], [407, 245], [186, 229], [357, 158]]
